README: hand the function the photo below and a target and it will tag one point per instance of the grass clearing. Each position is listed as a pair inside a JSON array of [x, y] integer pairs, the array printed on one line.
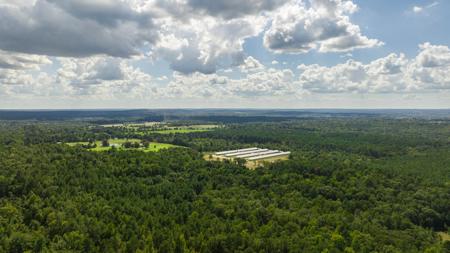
[[179, 131], [185, 129], [155, 147], [134, 125], [117, 143], [162, 128]]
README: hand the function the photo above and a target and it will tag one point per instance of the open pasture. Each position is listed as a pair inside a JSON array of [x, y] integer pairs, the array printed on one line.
[[118, 143], [184, 129]]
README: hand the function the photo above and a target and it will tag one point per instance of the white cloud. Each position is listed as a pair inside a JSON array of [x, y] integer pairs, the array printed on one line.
[[260, 82], [22, 83], [323, 25], [230, 9], [391, 74], [433, 55], [419, 9], [97, 77], [95, 44], [15, 77], [270, 82], [192, 35], [204, 36], [205, 44], [74, 28], [251, 64], [9, 60], [103, 77], [16, 73], [431, 67]]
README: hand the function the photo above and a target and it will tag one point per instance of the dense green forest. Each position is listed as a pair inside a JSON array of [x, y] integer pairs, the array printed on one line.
[[357, 184]]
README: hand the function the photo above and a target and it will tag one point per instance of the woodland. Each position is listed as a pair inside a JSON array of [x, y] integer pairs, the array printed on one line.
[[351, 184]]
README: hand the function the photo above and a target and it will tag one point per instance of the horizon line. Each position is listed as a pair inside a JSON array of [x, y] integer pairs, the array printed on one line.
[[215, 108]]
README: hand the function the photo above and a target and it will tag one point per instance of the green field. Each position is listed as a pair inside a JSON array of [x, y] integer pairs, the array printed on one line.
[[133, 125], [153, 147], [179, 131], [183, 129], [158, 128]]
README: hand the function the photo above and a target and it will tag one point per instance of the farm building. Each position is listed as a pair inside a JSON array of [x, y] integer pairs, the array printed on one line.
[[252, 156]]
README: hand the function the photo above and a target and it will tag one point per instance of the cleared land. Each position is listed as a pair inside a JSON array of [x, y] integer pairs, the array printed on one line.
[[183, 129], [131, 125], [249, 164], [162, 128], [180, 131], [253, 157], [117, 143]]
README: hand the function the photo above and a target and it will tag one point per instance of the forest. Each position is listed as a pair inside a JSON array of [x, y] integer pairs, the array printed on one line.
[[360, 183]]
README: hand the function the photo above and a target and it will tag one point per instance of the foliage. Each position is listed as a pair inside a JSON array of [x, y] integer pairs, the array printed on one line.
[[355, 185]]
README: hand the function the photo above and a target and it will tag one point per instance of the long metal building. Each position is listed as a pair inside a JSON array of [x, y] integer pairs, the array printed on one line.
[[252, 154]]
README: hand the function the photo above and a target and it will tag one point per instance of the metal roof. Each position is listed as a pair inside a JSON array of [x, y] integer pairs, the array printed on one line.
[[252, 154], [258, 154], [268, 156], [235, 151], [246, 152]]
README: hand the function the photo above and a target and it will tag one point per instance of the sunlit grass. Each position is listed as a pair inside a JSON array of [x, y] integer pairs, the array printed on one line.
[[153, 147]]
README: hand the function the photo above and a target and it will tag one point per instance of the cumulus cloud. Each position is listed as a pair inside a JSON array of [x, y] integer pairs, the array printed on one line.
[[103, 76], [92, 70], [260, 82], [431, 67], [94, 77], [16, 76], [433, 55], [270, 82], [74, 28], [382, 75], [229, 9], [251, 64], [9, 60], [324, 25], [93, 44], [106, 12], [393, 73], [192, 35], [205, 44], [20, 82]]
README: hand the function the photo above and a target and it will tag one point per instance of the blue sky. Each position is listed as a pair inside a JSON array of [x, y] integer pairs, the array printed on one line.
[[226, 53], [393, 22]]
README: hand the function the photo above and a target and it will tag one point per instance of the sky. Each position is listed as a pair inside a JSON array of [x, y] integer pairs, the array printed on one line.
[[67, 54]]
